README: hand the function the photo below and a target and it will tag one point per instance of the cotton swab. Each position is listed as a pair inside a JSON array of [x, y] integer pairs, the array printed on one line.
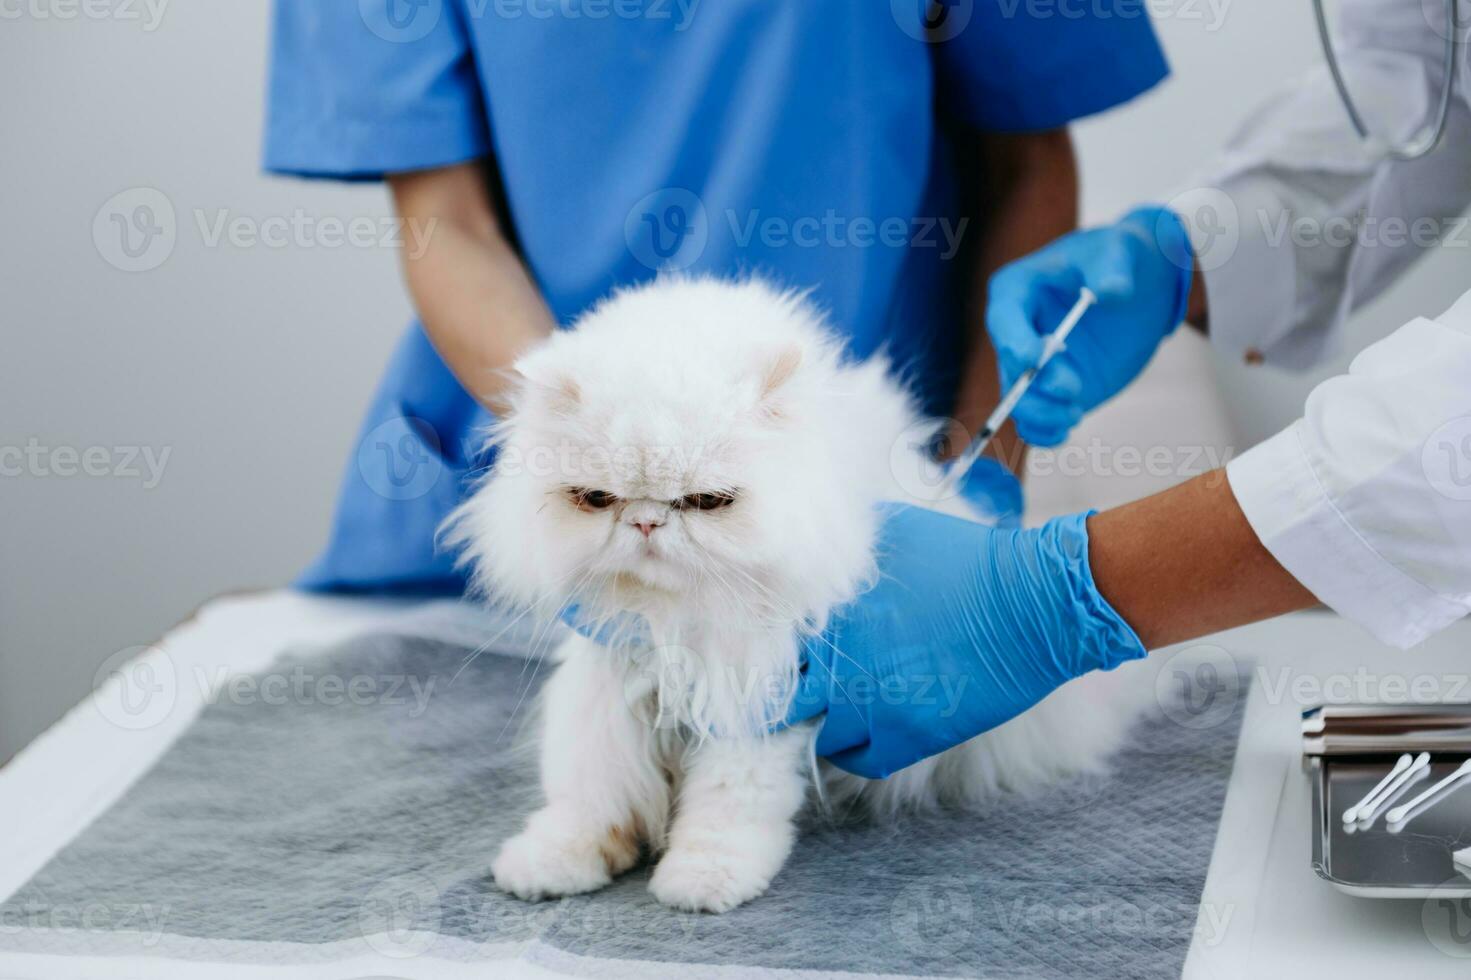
[[1052, 345], [1404, 762], [1398, 814], [1370, 805]]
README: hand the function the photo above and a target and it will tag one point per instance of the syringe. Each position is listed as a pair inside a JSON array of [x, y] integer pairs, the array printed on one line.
[[1051, 346]]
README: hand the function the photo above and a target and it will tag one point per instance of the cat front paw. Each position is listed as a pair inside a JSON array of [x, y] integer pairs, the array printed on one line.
[[707, 879], [534, 866]]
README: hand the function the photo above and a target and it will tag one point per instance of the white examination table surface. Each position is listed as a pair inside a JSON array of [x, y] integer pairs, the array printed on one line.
[[1271, 915]]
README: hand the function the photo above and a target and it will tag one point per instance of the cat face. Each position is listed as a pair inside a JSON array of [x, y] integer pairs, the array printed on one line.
[[676, 447]]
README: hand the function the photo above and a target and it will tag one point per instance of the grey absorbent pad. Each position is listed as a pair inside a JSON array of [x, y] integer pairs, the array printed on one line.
[[315, 819]]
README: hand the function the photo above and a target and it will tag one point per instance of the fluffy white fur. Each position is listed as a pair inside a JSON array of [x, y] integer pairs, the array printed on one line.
[[730, 390]]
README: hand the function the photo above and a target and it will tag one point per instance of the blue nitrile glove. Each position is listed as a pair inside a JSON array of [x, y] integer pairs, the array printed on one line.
[[967, 627], [1140, 269], [994, 493]]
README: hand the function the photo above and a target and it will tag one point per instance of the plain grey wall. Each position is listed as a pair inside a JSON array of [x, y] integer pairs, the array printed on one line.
[[249, 364]]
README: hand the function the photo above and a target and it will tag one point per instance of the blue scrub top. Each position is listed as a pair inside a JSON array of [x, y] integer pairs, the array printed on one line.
[[802, 139]]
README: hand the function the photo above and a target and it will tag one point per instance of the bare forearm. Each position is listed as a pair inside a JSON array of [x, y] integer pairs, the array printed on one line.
[[1033, 190], [1185, 563], [478, 304]]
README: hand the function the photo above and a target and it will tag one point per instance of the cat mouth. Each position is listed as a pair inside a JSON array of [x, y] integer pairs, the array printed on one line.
[[649, 572]]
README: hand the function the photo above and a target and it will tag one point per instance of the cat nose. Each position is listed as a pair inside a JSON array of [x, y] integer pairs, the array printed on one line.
[[647, 526]]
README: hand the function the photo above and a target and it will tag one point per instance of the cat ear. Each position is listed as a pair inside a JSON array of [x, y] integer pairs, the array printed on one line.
[[779, 370], [504, 394], [562, 391], [775, 373]]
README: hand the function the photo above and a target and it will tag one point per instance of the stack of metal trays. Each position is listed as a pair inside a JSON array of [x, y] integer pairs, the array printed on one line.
[[1348, 750]]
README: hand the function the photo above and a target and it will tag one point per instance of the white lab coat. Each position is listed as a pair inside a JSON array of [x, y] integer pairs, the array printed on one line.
[[1367, 499]]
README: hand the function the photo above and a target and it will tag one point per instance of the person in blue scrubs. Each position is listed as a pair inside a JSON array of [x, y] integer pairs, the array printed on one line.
[[552, 150]]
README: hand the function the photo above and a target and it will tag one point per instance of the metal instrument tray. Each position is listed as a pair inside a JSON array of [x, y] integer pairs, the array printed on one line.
[[1347, 750]]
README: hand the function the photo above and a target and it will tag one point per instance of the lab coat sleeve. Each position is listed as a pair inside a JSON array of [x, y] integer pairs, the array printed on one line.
[[1366, 500], [359, 90], [1299, 222]]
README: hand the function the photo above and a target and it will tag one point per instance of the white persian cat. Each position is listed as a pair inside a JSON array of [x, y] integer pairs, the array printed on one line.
[[700, 452]]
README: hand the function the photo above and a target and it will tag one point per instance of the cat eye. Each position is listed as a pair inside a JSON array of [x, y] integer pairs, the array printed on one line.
[[591, 499], [705, 501]]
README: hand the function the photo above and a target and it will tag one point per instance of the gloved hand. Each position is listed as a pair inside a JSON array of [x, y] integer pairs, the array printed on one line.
[[968, 627], [1140, 269], [993, 492]]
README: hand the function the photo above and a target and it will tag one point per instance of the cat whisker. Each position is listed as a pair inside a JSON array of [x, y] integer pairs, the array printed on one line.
[[511, 624], [536, 657]]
